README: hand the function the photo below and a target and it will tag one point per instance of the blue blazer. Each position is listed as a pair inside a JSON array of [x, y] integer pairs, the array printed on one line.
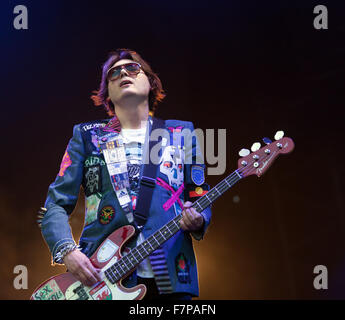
[[83, 165]]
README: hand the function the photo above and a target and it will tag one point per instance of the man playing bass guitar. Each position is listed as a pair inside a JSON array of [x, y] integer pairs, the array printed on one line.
[[106, 157]]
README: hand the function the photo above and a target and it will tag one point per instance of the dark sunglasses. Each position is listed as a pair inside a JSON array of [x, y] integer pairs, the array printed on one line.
[[132, 68]]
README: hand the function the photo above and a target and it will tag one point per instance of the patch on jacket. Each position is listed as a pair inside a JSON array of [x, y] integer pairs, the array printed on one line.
[[182, 266], [92, 203], [197, 192], [171, 164], [106, 215], [89, 126], [197, 175], [92, 180], [94, 160], [65, 163]]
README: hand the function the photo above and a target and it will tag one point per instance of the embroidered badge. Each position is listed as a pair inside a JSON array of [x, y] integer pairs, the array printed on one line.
[[107, 251], [101, 292], [92, 203], [94, 141], [50, 291], [197, 175], [91, 126], [65, 163], [171, 164], [182, 269], [198, 192], [92, 180], [106, 215]]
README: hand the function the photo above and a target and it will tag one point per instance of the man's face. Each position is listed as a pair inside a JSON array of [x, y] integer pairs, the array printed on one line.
[[139, 86]]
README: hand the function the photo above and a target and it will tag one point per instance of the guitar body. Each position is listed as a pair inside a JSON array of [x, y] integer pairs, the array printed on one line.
[[66, 287]]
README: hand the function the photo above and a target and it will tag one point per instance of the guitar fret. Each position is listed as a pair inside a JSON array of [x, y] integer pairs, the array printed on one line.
[[113, 276], [171, 232], [158, 236], [130, 258], [144, 248], [238, 174], [217, 191], [121, 269], [176, 224], [107, 274], [200, 207], [127, 262], [150, 245], [112, 273], [167, 230], [226, 180], [118, 272], [153, 236], [161, 234], [139, 253], [207, 197], [147, 250], [136, 260]]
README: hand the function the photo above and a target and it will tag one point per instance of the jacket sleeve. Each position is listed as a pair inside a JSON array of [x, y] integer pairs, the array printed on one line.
[[195, 185], [63, 195]]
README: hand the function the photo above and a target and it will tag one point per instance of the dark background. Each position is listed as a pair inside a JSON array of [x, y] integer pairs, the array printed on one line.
[[251, 67]]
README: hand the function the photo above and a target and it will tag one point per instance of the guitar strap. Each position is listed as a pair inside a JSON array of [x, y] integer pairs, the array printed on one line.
[[148, 176]]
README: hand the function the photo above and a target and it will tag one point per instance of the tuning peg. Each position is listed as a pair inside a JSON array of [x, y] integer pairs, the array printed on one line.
[[267, 140], [256, 146], [244, 152], [279, 135]]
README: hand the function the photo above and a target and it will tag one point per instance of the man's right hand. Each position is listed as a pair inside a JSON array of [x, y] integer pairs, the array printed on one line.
[[81, 267]]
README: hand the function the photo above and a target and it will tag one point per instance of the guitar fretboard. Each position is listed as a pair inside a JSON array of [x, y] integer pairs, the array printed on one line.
[[131, 260]]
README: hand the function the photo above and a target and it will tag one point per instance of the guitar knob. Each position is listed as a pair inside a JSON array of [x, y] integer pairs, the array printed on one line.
[[256, 146], [267, 140], [279, 135], [244, 152]]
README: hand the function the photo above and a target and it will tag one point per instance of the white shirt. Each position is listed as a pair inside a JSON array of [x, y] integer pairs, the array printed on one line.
[[133, 140]]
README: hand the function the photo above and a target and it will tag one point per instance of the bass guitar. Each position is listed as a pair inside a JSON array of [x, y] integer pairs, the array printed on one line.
[[116, 267]]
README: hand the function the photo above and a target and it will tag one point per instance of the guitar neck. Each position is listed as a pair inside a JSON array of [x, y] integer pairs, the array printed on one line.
[[130, 261]]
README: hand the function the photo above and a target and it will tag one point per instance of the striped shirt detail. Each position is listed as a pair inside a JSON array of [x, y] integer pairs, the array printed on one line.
[[161, 272]]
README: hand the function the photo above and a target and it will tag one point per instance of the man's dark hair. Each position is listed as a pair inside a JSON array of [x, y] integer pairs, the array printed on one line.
[[101, 96]]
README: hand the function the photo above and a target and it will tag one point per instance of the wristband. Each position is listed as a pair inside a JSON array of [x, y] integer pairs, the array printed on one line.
[[63, 251]]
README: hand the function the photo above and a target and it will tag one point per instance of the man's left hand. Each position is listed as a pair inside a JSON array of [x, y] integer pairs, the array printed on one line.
[[191, 219]]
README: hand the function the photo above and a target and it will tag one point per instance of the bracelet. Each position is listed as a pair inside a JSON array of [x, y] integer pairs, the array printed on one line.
[[40, 214], [63, 251]]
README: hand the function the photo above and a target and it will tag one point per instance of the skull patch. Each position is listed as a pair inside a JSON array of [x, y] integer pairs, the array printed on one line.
[[171, 164]]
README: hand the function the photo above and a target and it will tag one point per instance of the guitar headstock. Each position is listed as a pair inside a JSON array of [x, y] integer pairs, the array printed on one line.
[[260, 159]]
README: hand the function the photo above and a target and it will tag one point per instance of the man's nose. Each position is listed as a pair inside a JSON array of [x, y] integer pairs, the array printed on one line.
[[123, 72]]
